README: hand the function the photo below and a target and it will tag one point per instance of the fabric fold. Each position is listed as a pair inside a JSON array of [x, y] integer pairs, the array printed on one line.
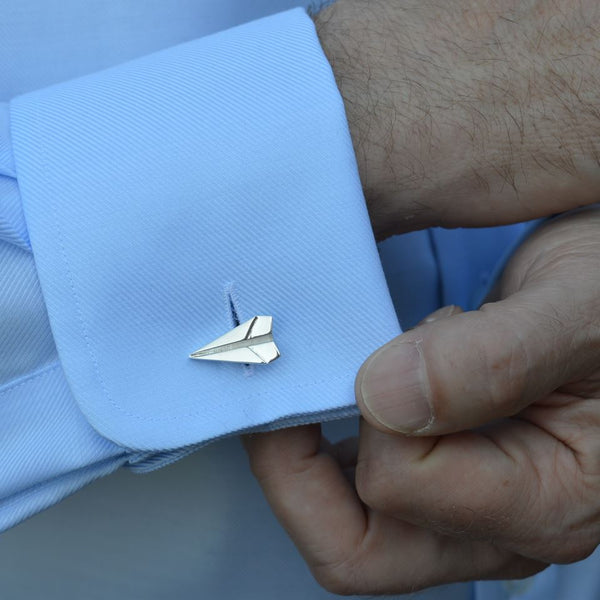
[[12, 222]]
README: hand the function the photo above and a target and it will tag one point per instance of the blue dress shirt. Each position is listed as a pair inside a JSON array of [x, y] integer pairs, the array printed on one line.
[[149, 186]]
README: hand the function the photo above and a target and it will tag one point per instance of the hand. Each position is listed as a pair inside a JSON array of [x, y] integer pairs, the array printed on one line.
[[471, 112], [452, 502]]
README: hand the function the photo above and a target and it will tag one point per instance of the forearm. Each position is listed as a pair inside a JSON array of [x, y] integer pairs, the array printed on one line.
[[473, 100]]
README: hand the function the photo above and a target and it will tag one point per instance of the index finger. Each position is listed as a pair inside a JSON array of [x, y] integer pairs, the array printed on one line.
[[308, 492], [350, 548]]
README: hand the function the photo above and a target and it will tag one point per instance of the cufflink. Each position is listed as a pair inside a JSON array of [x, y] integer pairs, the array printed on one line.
[[250, 343]]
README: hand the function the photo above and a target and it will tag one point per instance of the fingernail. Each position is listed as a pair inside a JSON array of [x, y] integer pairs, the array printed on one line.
[[442, 313], [394, 389]]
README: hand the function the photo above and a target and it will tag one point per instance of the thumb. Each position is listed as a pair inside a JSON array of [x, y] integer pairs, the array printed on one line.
[[458, 371]]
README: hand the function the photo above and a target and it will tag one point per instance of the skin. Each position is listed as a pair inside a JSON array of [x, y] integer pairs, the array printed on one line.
[[455, 503], [470, 112], [479, 448]]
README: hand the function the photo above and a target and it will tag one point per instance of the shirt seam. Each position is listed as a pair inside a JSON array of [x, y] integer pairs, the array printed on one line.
[[27, 379]]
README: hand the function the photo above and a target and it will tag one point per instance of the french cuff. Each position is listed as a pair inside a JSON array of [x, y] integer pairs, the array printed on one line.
[[170, 197]]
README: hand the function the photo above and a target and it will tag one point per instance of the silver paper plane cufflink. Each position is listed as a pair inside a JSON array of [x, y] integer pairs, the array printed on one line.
[[250, 342]]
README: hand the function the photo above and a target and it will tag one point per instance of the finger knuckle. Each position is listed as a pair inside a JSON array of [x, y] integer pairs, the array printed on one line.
[[339, 578], [334, 584], [372, 484], [260, 467], [571, 550]]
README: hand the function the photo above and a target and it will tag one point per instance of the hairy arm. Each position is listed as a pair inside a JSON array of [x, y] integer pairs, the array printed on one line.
[[471, 112]]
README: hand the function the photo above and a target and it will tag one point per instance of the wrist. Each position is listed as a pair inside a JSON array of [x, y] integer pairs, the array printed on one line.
[[457, 118], [345, 30]]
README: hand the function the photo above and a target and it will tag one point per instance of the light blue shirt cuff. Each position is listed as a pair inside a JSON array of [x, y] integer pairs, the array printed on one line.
[[159, 193]]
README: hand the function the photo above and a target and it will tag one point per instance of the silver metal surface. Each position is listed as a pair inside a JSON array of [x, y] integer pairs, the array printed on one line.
[[250, 342]]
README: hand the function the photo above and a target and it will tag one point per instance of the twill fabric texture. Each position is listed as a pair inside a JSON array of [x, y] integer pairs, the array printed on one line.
[[143, 256], [143, 203]]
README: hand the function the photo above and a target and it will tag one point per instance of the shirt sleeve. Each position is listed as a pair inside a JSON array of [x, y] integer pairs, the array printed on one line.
[[166, 199], [48, 448]]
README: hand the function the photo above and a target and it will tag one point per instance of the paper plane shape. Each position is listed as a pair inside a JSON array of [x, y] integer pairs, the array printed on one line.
[[250, 342]]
